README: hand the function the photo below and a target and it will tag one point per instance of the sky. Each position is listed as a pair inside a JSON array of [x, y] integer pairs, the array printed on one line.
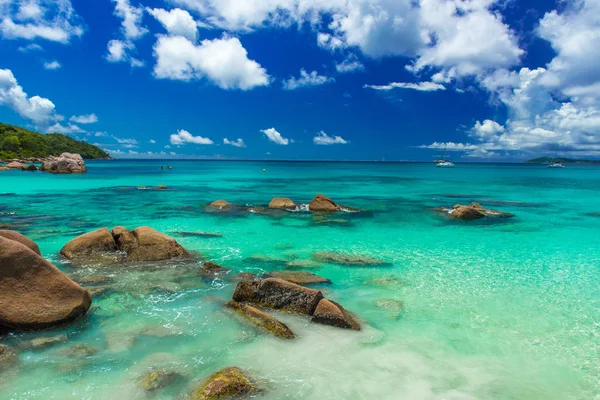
[[487, 80]]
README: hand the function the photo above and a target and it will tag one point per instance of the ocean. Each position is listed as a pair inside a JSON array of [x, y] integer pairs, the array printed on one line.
[[501, 308]]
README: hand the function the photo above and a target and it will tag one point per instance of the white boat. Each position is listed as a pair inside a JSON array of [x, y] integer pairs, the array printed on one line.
[[443, 163], [554, 164]]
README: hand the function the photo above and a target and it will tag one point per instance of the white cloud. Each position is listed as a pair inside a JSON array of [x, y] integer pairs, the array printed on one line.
[[350, 64], [38, 109], [275, 136], [236, 143], [177, 22], [487, 129], [421, 86], [64, 129], [125, 141], [84, 119], [120, 51], [182, 137], [223, 61], [101, 134], [152, 141], [30, 48], [131, 16], [306, 80], [53, 20], [324, 139], [52, 65]]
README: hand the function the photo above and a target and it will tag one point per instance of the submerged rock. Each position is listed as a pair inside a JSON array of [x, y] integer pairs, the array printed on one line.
[[66, 163], [207, 235], [299, 277], [347, 259], [43, 342], [95, 280], [282, 203], [34, 294], [388, 282], [17, 237], [78, 351], [299, 264], [329, 312], [247, 276], [157, 379], [8, 358], [141, 244], [228, 383], [161, 187], [211, 269], [262, 320], [324, 204], [396, 307], [278, 294]]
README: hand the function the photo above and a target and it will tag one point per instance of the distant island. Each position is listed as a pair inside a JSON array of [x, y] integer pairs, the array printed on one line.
[[562, 160], [20, 143]]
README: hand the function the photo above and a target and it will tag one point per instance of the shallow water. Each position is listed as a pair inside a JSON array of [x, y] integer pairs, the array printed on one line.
[[499, 309]]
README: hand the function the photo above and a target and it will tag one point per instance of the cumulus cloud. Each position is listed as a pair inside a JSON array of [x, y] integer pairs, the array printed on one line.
[[52, 65], [131, 19], [223, 62], [306, 80], [235, 143], [39, 110], [152, 141], [84, 119], [177, 22], [53, 20], [275, 136], [30, 48], [324, 139], [65, 129], [421, 86], [120, 51], [183, 137], [350, 64]]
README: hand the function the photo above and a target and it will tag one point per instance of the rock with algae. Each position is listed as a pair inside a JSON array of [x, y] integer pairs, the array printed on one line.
[[157, 379], [352, 260], [262, 320], [228, 383]]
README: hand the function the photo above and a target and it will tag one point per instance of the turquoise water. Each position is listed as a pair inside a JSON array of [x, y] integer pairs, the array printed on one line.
[[499, 309]]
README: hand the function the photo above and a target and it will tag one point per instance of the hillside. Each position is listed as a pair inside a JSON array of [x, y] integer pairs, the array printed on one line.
[[548, 160], [17, 142]]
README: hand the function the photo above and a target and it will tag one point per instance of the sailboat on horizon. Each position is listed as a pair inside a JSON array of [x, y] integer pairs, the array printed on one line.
[[553, 163], [443, 163]]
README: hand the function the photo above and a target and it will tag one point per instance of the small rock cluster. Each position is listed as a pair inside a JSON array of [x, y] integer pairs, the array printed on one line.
[[66, 163]]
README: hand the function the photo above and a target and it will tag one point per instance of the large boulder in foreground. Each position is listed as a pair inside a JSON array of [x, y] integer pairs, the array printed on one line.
[[262, 320], [322, 203], [34, 294], [329, 312], [229, 383], [282, 203], [17, 237], [66, 163], [278, 294], [141, 244]]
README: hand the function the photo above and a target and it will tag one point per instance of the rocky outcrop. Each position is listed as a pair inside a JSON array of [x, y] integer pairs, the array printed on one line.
[[322, 203], [472, 212], [279, 295], [282, 203], [96, 245], [2, 168], [286, 296], [299, 277], [228, 383], [352, 260], [15, 165], [34, 294], [329, 312], [220, 204], [30, 167], [211, 270], [66, 163], [262, 320], [141, 244], [17, 237]]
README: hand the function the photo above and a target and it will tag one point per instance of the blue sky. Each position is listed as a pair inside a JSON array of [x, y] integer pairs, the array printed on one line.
[[491, 80]]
